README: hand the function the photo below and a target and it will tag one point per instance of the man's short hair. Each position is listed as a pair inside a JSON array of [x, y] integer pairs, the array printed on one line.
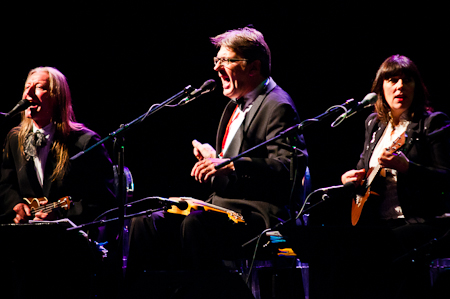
[[249, 43]]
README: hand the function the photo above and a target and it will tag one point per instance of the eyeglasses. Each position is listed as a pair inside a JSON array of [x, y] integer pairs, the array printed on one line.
[[226, 61]]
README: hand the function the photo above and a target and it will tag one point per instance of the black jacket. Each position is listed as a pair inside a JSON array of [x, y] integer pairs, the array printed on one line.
[[261, 182], [424, 190], [88, 181]]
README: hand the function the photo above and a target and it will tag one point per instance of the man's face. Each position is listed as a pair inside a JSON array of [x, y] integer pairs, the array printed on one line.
[[234, 75], [37, 92]]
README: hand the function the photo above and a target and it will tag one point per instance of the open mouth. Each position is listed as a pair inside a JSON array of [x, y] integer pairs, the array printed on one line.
[[34, 105], [224, 76]]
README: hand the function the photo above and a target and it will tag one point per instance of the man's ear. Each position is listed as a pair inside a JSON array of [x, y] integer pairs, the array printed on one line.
[[254, 68]]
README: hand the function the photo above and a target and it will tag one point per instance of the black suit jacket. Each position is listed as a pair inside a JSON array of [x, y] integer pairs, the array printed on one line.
[[88, 181], [261, 182], [423, 190]]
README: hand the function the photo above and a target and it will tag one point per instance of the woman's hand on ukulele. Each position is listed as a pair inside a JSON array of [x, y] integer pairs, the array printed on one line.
[[355, 176]]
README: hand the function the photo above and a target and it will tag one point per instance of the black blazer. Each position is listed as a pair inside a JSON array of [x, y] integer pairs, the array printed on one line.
[[89, 180], [261, 182], [423, 190]]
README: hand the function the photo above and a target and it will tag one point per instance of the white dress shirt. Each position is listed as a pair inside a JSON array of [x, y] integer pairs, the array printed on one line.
[[42, 153]]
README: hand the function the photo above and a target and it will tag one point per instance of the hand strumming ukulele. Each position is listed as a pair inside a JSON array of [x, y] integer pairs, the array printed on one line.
[[364, 190]]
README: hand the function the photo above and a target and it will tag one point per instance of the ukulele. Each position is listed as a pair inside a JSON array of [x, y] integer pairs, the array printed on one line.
[[35, 206], [372, 173], [197, 204]]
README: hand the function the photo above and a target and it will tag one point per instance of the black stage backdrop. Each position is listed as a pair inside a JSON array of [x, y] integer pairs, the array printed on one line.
[[122, 57]]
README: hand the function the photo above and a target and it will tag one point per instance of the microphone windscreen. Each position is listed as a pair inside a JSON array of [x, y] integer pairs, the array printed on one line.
[[208, 86], [370, 99]]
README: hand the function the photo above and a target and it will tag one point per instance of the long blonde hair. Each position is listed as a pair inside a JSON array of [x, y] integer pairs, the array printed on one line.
[[63, 118]]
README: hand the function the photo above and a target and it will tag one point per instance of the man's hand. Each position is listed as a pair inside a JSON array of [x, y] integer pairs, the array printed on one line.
[[23, 212], [203, 151], [205, 169], [44, 216]]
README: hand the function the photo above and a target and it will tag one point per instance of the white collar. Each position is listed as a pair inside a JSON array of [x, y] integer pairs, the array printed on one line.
[[48, 130]]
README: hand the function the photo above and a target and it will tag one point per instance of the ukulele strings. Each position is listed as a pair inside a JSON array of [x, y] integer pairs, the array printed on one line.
[[47, 208]]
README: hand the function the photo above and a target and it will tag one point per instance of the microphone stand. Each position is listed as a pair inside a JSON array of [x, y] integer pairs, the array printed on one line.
[[291, 131], [120, 155], [103, 222]]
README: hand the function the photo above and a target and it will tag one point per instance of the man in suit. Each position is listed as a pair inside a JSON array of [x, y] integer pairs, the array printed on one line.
[[257, 185], [36, 165], [259, 110], [36, 157]]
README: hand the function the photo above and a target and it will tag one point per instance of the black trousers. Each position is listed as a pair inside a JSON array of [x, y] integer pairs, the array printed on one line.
[[199, 241]]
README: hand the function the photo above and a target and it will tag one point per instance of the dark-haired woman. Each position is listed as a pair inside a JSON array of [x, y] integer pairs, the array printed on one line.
[[414, 190]]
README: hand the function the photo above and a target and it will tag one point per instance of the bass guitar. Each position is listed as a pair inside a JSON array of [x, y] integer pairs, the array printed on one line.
[[365, 189], [35, 206], [196, 204]]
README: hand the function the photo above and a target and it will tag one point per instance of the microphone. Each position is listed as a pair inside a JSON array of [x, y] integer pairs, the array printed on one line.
[[347, 188], [208, 86], [20, 106], [168, 202], [368, 101]]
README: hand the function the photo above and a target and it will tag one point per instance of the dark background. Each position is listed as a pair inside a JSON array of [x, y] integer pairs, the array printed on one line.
[[122, 57]]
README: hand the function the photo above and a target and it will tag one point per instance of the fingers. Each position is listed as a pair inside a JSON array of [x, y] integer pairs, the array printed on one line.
[[195, 143], [397, 161], [353, 176], [203, 170], [40, 216], [196, 146], [22, 212], [203, 150]]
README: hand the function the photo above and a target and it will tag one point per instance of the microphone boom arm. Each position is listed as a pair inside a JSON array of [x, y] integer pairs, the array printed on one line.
[[290, 131], [125, 127]]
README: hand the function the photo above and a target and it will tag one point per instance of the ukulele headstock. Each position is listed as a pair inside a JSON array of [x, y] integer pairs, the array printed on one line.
[[64, 202]]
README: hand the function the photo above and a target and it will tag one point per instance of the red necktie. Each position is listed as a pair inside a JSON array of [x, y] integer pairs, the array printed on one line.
[[233, 117]]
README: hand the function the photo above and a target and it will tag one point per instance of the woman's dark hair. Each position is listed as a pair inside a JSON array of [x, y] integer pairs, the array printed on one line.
[[394, 66]]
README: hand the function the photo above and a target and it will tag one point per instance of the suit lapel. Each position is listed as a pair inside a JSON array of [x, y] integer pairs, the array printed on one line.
[[257, 104], [412, 134], [236, 144]]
